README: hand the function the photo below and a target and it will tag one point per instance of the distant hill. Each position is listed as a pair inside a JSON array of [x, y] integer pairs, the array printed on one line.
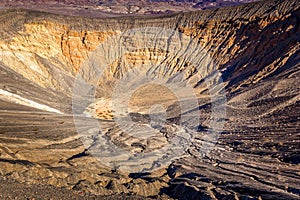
[[122, 6]]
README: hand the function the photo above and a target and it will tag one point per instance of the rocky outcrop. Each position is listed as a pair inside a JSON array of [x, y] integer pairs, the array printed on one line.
[[42, 44]]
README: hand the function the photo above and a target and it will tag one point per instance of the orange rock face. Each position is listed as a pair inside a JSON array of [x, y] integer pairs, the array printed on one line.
[[76, 45], [65, 48]]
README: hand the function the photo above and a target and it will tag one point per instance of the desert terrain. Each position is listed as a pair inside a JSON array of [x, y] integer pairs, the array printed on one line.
[[188, 105], [125, 8]]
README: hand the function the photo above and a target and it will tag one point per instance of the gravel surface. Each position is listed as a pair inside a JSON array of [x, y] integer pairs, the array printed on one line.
[[14, 190]]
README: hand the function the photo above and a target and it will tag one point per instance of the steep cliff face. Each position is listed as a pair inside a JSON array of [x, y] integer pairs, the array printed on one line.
[[231, 37], [252, 45], [44, 44], [248, 54]]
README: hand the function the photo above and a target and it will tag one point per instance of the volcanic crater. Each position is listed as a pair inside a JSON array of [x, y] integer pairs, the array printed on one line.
[[196, 105]]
